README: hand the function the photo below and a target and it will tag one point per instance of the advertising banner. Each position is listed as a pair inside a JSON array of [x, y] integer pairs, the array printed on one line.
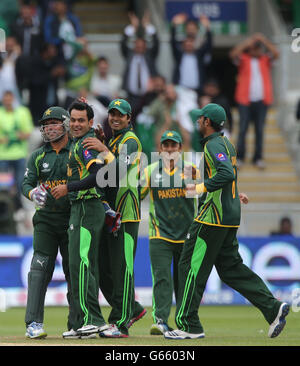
[[275, 259], [226, 16], [229, 10]]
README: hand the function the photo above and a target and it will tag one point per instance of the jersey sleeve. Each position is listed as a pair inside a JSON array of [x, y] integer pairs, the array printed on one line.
[[219, 167], [90, 157], [31, 177]]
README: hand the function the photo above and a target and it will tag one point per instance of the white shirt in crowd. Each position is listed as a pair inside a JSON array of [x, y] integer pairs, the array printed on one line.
[[138, 62], [108, 86], [256, 82], [189, 72]]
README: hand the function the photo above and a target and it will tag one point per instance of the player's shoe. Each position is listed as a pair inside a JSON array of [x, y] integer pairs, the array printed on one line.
[[278, 324], [111, 331], [136, 318], [180, 334], [73, 334], [35, 331], [159, 328], [88, 329]]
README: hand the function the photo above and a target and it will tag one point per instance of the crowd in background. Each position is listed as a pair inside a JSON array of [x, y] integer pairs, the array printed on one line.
[[48, 62]]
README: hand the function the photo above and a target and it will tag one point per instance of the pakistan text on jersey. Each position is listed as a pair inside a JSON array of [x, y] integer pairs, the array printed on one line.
[[54, 183], [171, 193]]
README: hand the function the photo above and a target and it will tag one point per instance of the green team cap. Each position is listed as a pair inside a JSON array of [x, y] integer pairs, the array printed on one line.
[[121, 105], [55, 113], [171, 135], [213, 111]]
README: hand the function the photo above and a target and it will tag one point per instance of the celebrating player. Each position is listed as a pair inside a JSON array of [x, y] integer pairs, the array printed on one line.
[[47, 167], [212, 237], [116, 272], [85, 226], [170, 217]]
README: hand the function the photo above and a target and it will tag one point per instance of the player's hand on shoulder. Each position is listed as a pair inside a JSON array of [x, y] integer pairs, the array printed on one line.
[[100, 133], [92, 143]]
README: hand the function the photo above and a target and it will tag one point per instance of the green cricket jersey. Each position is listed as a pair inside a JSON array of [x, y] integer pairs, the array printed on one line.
[[125, 196], [221, 204], [80, 160], [171, 213], [45, 165]]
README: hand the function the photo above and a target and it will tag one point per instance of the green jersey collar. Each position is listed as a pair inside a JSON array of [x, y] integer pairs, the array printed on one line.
[[203, 141], [123, 131]]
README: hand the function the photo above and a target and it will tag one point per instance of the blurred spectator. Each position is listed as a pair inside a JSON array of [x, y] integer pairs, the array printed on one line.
[[40, 74], [9, 10], [105, 86], [190, 60], [212, 94], [79, 72], [167, 112], [62, 28], [298, 110], [44, 7], [285, 227], [189, 28], [15, 128], [145, 115], [27, 30], [156, 86], [7, 207], [78, 80], [100, 112], [8, 79], [254, 92], [140, 58]]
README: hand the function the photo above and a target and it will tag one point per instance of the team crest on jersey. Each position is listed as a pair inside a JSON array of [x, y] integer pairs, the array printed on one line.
[[221, 157], [87, 155], [45, 167]]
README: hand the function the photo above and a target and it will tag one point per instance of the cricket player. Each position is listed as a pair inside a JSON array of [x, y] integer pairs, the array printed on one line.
[[47, 167], [212, 237], [170, 217], [85, 226], [123, 196]]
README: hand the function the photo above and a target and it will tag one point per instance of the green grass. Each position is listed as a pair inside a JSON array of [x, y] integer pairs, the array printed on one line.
[[223, 326]]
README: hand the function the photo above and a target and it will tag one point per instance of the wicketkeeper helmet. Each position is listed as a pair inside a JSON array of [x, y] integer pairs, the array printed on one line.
[[55, 113]]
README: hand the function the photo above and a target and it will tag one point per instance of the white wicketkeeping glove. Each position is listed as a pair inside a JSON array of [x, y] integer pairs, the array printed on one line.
[[39, 196]]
